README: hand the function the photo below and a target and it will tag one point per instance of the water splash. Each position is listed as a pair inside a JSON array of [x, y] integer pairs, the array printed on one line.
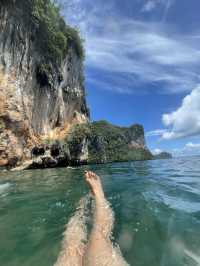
[[4, 187], [193, 256]]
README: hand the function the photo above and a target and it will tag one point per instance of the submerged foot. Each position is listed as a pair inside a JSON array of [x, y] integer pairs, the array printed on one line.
[[94, 182], [100, 250], [104, 217]]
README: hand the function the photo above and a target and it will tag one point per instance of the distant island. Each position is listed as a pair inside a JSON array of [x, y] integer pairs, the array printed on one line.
[[163, 155]]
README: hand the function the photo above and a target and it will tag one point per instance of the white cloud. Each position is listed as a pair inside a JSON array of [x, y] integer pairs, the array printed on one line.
[[168, 4], [191, 145], [135, 49], [189, 149], [157, 132], [146, 52], [156, 151], [185, 121], [105, 86], [150, 5]]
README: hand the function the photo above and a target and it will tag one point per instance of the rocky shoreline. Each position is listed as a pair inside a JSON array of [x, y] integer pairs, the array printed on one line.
[[91, 143]]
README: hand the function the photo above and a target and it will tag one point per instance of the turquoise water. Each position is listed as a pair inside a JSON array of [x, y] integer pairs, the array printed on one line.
[[156, 205]]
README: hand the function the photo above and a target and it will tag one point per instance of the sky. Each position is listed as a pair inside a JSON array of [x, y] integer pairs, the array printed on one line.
[[143, 66]]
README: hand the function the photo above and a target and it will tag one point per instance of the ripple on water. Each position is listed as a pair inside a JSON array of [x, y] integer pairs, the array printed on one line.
[[155, 203]]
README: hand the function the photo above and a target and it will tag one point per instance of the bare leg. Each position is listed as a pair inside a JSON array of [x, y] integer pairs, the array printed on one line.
[[100, 251], [73, 246]]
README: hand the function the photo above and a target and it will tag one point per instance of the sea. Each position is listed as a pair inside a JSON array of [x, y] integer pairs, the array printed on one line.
[[156, 206]]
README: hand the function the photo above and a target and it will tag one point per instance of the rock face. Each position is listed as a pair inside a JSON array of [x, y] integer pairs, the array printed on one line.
[[91, 143], [44, 119], [38, 94], [108, 143]]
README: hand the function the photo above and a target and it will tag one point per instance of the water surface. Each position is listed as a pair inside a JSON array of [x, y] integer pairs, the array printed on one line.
[[156, 205]]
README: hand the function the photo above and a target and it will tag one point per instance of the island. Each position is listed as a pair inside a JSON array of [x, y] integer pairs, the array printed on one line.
[[162, 155], [44, 117]]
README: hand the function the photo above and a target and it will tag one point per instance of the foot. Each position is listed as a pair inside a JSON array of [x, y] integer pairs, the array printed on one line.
[[95, 184]]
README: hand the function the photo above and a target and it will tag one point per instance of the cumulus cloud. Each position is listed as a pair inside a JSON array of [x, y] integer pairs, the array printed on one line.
[[185, 121], [189, 149]]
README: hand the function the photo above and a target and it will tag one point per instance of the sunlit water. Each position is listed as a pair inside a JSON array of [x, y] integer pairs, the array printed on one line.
[[156, 205]]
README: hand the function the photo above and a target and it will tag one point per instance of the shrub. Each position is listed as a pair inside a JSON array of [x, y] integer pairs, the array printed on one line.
[[52, 34]]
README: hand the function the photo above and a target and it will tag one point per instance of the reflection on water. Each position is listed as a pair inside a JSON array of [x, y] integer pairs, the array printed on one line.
[[156, 205]]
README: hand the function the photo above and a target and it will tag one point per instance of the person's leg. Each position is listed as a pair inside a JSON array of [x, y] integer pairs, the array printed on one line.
[[100, 250], [75, 236]]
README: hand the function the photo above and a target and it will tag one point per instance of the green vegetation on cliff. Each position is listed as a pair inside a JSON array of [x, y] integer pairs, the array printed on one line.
[[108, 143], [92, 143], [52, 34]]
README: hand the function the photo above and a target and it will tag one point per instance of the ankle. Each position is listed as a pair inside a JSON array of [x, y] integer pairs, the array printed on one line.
[[100, 198]]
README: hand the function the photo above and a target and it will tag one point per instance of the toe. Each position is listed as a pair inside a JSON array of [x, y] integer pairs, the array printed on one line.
[[87, 175]]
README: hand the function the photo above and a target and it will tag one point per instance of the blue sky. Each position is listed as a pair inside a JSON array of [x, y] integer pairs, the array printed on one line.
[[143, 66]]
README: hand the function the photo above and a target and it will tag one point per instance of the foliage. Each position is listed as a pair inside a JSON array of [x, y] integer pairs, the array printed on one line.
[[105, 143], [108, 143], [54, 35], [43, 19], [78, 133], [75, 139], [2, 125]]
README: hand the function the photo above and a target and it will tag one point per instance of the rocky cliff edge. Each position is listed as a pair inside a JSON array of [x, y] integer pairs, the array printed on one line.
[[41, 77]]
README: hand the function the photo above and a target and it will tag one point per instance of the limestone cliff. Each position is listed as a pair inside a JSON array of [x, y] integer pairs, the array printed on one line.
[[44, 119], [92, 143], [103, 142], [41, 77]]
